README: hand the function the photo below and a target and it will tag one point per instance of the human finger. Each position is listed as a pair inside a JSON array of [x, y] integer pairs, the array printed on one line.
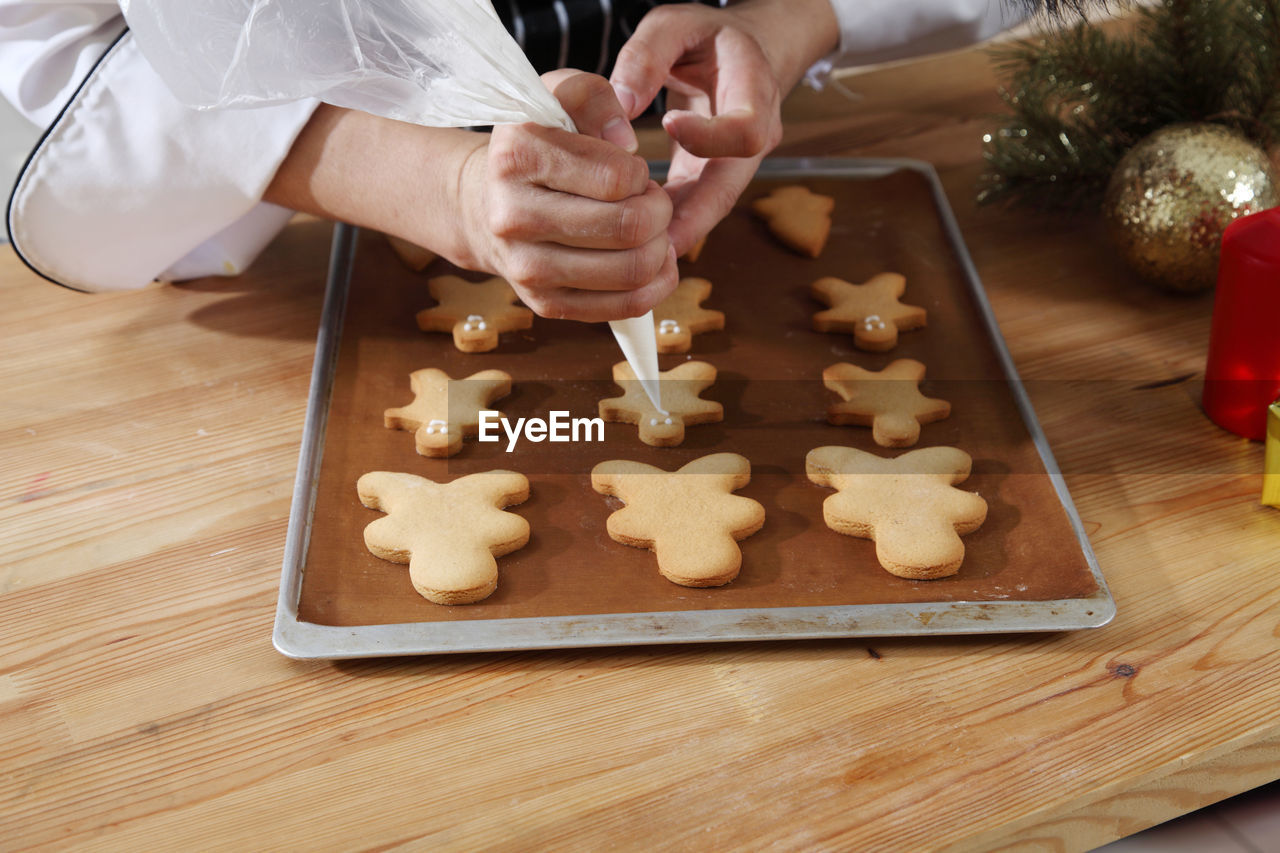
[[592, 104], [744, 116], [740, 133], [702, 193], [661, 39], [572, 163], [544, 267], [598, 306], [533, 215]]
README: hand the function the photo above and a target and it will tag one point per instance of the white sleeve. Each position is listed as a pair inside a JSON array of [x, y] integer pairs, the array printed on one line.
[[128, 185], [873, 31], [47, 48]]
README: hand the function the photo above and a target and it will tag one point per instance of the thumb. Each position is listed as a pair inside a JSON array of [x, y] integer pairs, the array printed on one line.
[[591, 103]]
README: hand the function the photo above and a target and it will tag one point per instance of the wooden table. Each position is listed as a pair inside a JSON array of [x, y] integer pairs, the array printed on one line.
[[148, 443]]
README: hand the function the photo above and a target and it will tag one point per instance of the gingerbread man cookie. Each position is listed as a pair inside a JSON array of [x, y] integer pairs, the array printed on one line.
[[798, 218], [680, 316], [688, 517], [871, 311], [908, 505], [680, 388], [444, 410], [889, 401], [475, 313], [448, 533]]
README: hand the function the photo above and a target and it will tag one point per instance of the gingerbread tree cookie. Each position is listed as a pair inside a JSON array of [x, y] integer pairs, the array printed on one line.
[[798, 218], [871, 311], [475, 313], [681, 316], [448, 533], [889, 401], [444, 410], [688, 517], [908, 505], [680, 389]]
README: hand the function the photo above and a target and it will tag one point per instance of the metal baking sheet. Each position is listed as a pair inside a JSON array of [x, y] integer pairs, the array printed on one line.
[[1029, 568]]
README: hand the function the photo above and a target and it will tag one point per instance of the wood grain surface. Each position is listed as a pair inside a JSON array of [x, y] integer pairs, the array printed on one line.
[[148, 443]]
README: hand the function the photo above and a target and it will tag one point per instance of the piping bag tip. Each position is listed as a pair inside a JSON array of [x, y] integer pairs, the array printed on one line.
[[639, 342]]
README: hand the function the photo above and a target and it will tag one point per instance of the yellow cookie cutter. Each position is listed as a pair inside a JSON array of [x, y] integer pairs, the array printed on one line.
[[1271, 465]]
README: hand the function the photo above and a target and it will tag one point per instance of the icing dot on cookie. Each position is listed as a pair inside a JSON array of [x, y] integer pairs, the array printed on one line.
[[474, 323], [435, 425], [872, 321], [655, 421], [668, 327]]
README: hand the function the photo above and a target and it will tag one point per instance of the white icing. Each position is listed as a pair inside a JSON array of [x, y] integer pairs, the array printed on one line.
[[668, 327], [655, 421], [435, 425], [474, 323], [872, 322]]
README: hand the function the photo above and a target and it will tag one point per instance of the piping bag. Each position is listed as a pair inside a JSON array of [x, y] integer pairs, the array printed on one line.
[[440, 63]]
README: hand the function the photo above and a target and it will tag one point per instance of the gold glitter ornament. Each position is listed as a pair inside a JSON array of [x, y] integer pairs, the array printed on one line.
[[1174, 192]]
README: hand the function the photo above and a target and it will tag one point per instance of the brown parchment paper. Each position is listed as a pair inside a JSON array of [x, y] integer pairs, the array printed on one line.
[[770, 364]]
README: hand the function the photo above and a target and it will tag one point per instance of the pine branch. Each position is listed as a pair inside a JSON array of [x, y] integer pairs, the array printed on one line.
[[1189, 51], [1258, 94], [1078, 99]]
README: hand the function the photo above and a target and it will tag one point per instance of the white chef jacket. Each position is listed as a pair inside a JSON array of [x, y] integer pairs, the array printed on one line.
[[128, 186]]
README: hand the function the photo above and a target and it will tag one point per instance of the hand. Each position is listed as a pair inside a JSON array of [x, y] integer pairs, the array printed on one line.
[[572, 221], [725, 71]]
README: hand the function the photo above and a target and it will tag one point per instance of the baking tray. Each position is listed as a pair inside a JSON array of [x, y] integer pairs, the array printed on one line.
[[1029, 568]]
